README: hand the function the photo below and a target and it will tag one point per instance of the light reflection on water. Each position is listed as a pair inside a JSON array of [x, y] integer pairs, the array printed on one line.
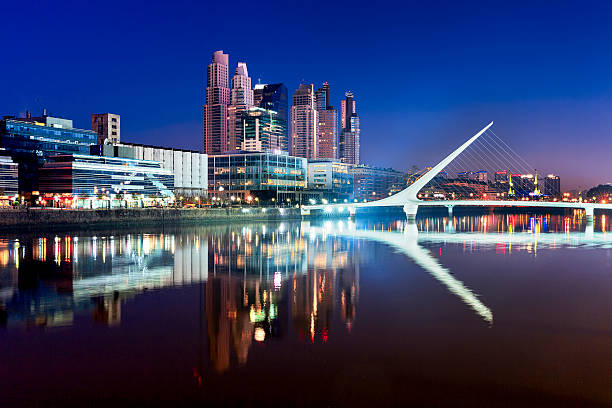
[[264, 283]]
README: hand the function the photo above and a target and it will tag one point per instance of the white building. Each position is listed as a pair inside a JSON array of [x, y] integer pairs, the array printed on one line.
[[190, 167]]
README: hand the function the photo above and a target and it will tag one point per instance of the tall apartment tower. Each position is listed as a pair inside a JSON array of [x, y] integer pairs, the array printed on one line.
[[217, 101], [241, 101], [327, 124], [348, 142], [108, 127], [304, 123], [274, 97]]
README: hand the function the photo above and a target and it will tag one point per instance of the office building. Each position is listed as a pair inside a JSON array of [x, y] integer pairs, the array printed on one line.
[[372, 183], [304, 123], [9, 179], [327, 124], [107, 126], [30, 141], [349, 140], [552, 186], [241, 101], [265, 176], [189, 167], [274, 97], [330, 177], [85, 181], [217, 101], [262, 131]]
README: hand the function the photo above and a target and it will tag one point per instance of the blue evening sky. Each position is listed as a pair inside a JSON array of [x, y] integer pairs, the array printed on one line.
[[426, 75]]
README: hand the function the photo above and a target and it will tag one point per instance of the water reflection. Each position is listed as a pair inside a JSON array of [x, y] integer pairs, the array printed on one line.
[[260, 283]]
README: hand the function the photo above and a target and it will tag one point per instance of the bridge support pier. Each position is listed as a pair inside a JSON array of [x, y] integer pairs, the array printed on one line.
[[411, 211], [352, 211], [450, 210], [589, 212]]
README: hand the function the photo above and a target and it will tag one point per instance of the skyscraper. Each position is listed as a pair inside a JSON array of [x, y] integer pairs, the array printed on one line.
[[327, 124], [262, 131], [348, 143], [304, 123], [274, 97], [241, 101], [217, 101]]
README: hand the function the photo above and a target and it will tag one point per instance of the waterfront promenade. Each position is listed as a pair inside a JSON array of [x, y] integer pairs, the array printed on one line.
[[37, 218]]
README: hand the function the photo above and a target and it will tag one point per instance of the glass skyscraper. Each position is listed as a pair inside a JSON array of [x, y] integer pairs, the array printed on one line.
[[274, 97]]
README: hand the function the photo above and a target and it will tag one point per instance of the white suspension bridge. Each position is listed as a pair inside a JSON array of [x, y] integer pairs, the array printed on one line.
[[410, 201]]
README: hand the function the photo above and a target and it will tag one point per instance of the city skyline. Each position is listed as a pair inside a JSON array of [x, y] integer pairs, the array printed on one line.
[[542, 82]]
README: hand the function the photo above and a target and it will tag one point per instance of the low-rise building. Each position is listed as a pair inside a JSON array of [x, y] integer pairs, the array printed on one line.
[[262, 176], [332, 178], [9, 180], [30, 141], [372, 183], [85, 181], [189, 167]]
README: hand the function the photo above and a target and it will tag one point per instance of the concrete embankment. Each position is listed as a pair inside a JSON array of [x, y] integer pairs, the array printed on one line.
[[66, 218]]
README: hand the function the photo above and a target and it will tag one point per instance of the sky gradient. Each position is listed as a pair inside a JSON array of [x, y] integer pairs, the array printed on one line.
[[426, 75]]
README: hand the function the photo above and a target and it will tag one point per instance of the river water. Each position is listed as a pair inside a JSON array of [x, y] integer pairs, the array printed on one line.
[[487, 310]]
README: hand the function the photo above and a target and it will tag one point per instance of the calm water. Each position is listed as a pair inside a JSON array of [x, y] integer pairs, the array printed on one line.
[[495, 310]]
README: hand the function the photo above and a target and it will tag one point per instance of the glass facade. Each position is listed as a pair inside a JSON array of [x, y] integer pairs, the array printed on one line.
[[274, 97], [263, 131], [331, 177], [108, 178], [31, 143], [263, 173]]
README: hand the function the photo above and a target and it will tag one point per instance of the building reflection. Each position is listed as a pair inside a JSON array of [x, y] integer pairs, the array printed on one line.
[[259, 283], [45, 281], [260, 276]]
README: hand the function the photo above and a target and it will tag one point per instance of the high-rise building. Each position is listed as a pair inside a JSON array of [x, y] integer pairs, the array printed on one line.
[[348, 142], [262, 131], [552, 185], [108, 127], [304, 123], [274, 97], [241, 101], [217, 101], [327, 124]]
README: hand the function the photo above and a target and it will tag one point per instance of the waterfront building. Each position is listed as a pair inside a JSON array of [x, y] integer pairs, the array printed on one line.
[[327, 124], [372, 183], [264, 176], [304, 123], [274, 97], [217, 101], [189, 167], [552, 186], [241, 101], [332, 178], [86, 181], [30, 141], [349, 145], [501, 177], [9, 180], [262, 130], [107, 126]]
